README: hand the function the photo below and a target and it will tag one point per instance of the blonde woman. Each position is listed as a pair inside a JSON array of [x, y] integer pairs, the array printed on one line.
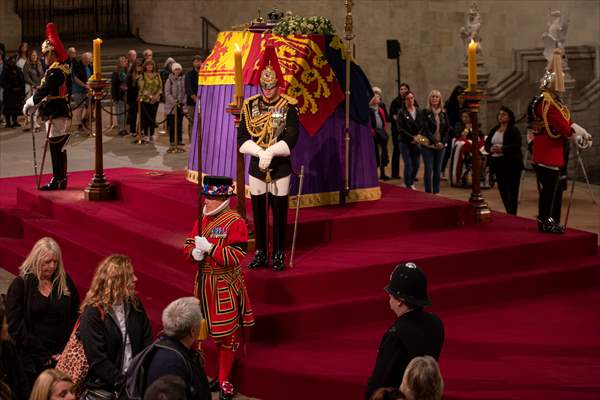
[[436, 129], [41, 307], [422, 380], [114, 325], [52, 384]]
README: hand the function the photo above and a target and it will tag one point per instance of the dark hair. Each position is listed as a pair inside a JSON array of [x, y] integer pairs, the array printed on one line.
[[167, 387], [511, 115], [198, 58], [405, 85]]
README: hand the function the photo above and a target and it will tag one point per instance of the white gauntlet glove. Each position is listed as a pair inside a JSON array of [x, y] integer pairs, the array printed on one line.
[[249, 147], [279, 149], [197, 254], [582, 138], [202, 244], [28, 106], [264, 160]]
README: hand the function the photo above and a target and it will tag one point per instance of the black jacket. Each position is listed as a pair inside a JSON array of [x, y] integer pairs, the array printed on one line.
[[280, 166], [168, 362], [409, 127], [395, 107], [35, 351], [117, 80], [103, 343], [55, 91], [429, 126], [511, 147], [191, 86], [416, 333], [12, 372]]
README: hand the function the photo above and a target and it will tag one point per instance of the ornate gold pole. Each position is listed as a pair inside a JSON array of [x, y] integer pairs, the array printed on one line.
[[99, 187], [471, 99], [349, 36]]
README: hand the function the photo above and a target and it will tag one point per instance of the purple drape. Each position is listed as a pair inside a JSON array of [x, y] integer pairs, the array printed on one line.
[[321, 153]]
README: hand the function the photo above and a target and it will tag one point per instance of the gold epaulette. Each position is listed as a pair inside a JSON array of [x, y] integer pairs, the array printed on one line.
[[548, 101], [64, 68], [249, 99], [289, 99]]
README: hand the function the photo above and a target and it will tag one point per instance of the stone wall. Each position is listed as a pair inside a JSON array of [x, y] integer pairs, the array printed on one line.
[[428, 30], [10, 25]]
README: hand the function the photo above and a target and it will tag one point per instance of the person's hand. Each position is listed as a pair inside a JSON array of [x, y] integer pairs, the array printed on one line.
[[439, 146], [193, 97], [203, 244], [581, 137], [28, 106], [197, 254], [264, 160], [55, 357]]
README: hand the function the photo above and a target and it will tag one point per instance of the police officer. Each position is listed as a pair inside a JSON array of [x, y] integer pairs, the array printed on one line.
[[414, 333]]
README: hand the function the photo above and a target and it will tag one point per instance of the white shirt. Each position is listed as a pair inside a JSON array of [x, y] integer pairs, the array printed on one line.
[[120, 313], [498, 138]]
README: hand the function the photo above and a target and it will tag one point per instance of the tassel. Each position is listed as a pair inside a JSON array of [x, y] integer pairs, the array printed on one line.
[[203, 331]]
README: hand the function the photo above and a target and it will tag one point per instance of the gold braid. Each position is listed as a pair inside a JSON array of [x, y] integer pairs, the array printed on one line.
[[549, 100], [259, 127]]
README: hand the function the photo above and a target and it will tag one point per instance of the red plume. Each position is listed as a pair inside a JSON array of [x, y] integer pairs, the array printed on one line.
[[52, 36], [268, 57]]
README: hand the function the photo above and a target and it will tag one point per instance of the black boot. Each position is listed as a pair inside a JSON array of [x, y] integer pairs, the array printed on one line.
[[259, 214], [278, 260], [279, 204], [59, 178], [548, 225]]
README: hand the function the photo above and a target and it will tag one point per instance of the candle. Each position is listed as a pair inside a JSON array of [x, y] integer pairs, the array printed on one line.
[[239, 86], [472, 66], [96, 60]]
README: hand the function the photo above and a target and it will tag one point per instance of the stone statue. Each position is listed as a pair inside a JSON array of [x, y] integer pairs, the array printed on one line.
[[556, 35], [472, 26]]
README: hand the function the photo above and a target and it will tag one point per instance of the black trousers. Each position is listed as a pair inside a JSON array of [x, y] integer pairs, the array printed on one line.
[[177, 113], [132, 110], [396, 153], [508, 177], [382, 157], [550, 201], [148, 117], [279, 208]]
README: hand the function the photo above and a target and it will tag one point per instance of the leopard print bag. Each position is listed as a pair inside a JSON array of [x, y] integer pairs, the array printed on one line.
[[73, 362]]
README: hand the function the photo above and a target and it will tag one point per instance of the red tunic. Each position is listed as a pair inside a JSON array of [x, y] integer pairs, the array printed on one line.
[[548, 147], [219, 280]]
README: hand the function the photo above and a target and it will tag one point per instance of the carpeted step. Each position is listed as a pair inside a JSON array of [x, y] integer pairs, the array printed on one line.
[[13, 252], [285, 322], [513, 350]]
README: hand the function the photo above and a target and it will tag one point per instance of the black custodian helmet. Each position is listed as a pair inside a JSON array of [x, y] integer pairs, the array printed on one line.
[[409, 284]]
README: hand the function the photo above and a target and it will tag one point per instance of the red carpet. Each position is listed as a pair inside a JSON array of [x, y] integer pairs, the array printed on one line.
[[520, 308]]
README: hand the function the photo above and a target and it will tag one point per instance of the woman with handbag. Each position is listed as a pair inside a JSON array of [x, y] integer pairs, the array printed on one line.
[[41, 308], [53, 385], [114, 327]]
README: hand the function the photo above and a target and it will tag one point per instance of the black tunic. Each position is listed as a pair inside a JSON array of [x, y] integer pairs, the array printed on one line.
[[280, 166], [416, 333], [40, 326], [54, 89]]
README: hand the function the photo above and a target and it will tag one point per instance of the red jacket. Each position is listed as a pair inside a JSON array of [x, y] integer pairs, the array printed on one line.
[[548, 147]]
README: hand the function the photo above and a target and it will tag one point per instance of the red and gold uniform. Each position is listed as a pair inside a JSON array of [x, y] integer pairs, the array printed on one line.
[[220, 282], [552, 127]]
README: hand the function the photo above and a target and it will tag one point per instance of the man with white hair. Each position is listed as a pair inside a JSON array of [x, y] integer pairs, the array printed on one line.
[[175, 353]]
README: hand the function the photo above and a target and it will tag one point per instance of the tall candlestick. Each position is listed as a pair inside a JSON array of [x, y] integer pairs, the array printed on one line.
[[239, 85], [96, 60], [472, 66]]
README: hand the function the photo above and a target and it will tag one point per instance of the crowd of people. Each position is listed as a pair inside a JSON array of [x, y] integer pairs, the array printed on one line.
[[137, 87], [440, 132]]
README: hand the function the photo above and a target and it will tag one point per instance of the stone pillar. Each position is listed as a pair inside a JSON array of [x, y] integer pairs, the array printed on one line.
[[11, 25]]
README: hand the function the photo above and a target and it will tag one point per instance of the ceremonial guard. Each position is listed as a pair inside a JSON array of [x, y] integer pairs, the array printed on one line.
[[218, 248], [550, 121], [268, 131], [52, 96]]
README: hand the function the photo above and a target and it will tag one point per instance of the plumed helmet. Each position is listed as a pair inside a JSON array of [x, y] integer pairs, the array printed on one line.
[[53, 43], [409, 284], [554, 77], [268, 78], [217, 186]]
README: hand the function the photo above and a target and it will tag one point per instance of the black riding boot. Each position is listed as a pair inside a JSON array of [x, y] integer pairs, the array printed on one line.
[[279, 205], [259, 214], [59, 164]]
